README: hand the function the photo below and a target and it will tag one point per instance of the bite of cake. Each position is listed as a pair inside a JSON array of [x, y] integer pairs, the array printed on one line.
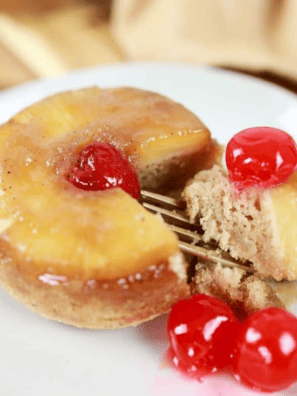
[[256, 225]]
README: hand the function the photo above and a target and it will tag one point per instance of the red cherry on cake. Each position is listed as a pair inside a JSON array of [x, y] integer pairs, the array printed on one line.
[[260, 157], [202, 331], [100, 166], [265, 357]]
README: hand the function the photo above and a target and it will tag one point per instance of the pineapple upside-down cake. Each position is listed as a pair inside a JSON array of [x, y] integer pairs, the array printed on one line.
[[87, 257]]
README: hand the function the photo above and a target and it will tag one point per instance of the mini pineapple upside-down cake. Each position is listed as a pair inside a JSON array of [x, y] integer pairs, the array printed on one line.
[[76, 245]]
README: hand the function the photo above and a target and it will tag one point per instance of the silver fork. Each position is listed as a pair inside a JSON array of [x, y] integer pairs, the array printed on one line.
[[172, 211]]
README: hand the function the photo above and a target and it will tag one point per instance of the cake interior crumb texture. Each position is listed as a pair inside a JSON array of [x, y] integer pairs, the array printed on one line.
[[242, 224], [245, 293]]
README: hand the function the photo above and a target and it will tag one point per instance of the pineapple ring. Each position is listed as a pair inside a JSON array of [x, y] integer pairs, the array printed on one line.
[[94, 259]]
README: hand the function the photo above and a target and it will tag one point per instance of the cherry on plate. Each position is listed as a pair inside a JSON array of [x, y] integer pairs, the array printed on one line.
[[265, 356], [202, 331]]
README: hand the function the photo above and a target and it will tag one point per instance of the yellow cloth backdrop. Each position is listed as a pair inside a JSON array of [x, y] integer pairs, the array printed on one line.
[[249, 34]]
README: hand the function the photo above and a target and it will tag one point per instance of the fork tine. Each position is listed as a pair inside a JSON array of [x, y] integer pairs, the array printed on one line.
[[208, 254], [160, 198], [187, 233], [169, 213]]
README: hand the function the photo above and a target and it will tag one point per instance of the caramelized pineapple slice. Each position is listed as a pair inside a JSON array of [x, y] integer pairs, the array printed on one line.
[[283, 207], [90, 236], [51, 226]]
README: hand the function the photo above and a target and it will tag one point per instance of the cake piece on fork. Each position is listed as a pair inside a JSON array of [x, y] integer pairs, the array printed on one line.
[[257, 225]]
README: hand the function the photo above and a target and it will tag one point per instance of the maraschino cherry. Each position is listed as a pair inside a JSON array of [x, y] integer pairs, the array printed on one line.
[[205, 336], [100, 166], [265, 357], [202, 332], [260, 157]]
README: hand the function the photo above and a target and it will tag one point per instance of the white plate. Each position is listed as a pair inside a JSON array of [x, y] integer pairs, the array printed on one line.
[[40, 357]]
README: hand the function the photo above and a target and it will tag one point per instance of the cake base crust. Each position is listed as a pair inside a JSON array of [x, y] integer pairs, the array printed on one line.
[[96, 304]]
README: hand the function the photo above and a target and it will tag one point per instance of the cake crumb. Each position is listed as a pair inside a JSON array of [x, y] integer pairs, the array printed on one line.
[[245, 293], [242, 224]]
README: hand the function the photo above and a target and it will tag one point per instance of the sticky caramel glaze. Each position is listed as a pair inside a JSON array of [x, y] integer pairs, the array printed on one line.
[[94, 303], [127, 287], [147, 128]]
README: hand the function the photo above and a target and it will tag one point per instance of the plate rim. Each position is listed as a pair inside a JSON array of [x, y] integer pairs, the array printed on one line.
[[142, 65]]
